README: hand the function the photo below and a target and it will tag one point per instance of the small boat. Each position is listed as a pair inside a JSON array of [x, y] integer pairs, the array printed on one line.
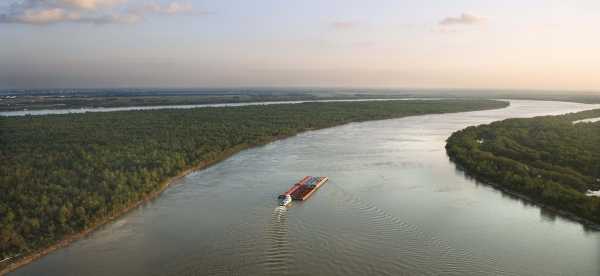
[[285, 200]]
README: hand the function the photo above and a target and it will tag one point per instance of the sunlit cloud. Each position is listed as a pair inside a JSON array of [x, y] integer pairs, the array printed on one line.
[[44, 16], [90, 4], [44, 12], [171, 8], [463, 19]]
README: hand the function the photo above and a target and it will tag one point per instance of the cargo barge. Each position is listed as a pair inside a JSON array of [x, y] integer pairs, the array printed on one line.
[[303, 189]]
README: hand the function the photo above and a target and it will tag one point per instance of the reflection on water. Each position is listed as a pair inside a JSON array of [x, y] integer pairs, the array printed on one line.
[[394, 205], [383, 232], [589, 120]]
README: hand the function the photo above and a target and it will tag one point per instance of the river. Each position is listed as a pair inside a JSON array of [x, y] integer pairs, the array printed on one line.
[[187, 106], [394, 205]]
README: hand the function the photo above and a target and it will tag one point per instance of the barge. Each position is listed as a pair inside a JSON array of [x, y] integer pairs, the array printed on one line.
[[303, 189]]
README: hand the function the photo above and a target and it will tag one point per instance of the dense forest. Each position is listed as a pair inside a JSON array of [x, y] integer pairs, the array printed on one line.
[[37, 102], [549, 159], [18, 100], [61, 174], [37, 99]]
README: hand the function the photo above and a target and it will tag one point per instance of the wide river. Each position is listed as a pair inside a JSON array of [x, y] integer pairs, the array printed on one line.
[[394, 205]]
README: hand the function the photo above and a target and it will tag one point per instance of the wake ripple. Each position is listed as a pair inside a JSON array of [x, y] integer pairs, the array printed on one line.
[[383, 244], [278, 252]]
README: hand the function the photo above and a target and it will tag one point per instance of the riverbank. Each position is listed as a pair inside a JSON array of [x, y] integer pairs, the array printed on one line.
[[156, 143], [20, 261], [586, 223], [546, 160]]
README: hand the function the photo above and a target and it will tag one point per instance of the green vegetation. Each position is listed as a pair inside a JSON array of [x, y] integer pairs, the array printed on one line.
[[85, 101], [61, 174], [18, 101], [73, 102], [548, 159]]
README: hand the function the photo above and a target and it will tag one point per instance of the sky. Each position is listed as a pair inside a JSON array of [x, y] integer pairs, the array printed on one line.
[[510, 44]]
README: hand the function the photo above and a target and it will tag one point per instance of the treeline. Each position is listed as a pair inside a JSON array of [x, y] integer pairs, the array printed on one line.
[[37, 102], [549, 159], [60, 174]]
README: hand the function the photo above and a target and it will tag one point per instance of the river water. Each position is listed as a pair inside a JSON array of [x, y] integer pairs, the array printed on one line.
[[188, 106], [394, 205]]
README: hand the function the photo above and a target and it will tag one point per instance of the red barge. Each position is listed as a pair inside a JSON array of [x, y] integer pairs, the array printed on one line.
[[304, 188]]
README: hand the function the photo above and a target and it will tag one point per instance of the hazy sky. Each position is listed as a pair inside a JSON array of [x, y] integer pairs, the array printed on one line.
[[531, 44]]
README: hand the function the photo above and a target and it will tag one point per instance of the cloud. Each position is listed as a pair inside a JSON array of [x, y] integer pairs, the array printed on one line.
[[171, 8], [344, 25], [43, 16], [52, 16], [91, 4], [44, 12], [463, 19]]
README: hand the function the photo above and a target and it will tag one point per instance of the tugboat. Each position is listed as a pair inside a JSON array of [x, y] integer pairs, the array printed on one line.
[[285, 200], [302, 190]]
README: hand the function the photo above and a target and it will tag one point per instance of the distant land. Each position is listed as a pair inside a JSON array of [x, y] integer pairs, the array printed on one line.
[[37, 99]]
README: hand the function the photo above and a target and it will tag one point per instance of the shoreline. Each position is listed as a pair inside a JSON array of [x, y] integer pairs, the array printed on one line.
[[22, 260], [586, 223]]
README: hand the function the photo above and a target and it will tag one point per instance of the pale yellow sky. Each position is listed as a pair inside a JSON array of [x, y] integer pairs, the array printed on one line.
[[549, 45]]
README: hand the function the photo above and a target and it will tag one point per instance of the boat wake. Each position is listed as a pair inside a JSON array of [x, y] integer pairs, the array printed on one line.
[[401, 246], [278, 251]]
